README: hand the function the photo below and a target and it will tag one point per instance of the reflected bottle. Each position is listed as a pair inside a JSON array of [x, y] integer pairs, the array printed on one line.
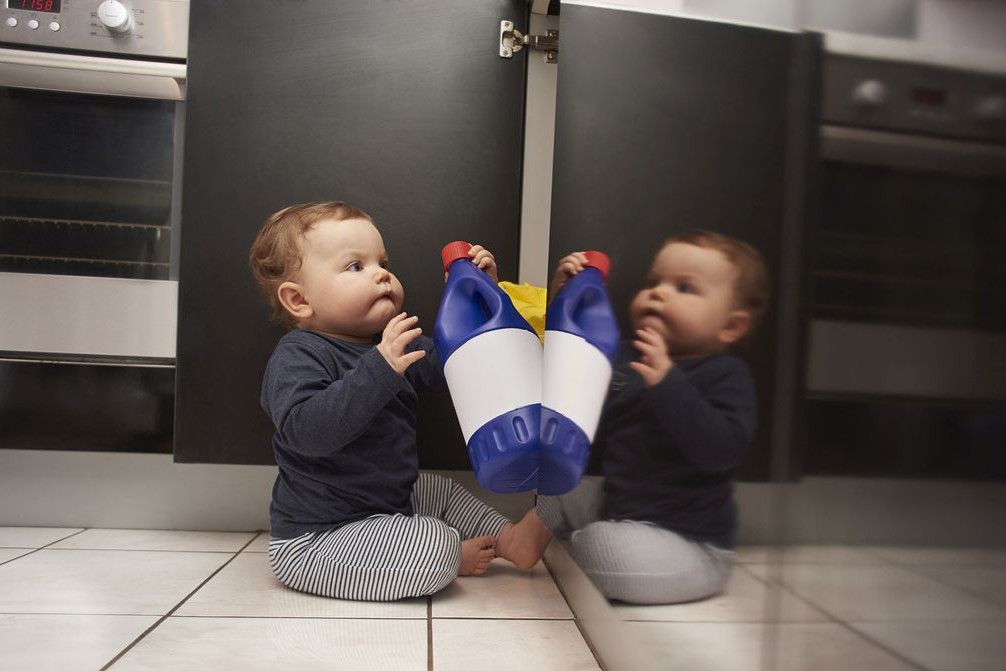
[[581, 342], [492, 361]]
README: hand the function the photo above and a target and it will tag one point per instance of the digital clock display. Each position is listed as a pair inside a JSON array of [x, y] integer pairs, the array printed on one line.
[[45, 6], [930, 97]]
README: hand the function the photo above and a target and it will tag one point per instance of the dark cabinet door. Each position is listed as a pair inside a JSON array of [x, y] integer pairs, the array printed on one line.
[[665, 124], [404, 109]]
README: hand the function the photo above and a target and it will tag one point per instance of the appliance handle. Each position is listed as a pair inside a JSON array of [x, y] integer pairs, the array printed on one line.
[[92, 75], [912, 152]]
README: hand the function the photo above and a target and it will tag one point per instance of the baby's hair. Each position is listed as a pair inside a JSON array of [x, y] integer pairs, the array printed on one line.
[[751, 289], [276, 254]]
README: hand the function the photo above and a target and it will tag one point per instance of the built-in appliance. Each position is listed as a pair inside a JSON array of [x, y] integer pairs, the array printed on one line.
[[907, 344], [92, 99]]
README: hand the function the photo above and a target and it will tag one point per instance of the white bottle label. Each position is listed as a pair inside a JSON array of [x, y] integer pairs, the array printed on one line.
[[493, 373], [577, 375]]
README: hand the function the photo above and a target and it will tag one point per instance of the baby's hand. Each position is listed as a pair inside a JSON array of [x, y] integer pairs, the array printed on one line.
[[654, 361], [568, 267], [484, 260], [395, 340]]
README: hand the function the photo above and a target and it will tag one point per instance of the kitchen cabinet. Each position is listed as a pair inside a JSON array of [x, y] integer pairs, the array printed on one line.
[[404, 109], [662, 123]]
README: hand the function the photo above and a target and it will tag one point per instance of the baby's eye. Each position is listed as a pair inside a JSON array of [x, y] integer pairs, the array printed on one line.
[[385, 264], [651, 282], [685, 288], [354, 267]]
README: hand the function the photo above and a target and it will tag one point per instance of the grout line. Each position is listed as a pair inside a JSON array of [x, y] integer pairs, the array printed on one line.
[[782, 587], [43, 547], [170, 612], [429, 633]]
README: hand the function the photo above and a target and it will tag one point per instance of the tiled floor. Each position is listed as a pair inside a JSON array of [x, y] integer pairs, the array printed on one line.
[[132, 599], [836, 608]]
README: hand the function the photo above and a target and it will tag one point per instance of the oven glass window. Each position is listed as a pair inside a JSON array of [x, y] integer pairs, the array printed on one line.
[[85, 184], [911, 248]]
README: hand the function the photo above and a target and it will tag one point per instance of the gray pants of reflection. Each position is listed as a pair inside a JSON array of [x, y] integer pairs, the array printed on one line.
[[635, 562]]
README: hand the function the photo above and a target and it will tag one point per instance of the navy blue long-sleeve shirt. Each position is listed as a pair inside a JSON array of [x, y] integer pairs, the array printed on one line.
[[670, 452], [345, 439]]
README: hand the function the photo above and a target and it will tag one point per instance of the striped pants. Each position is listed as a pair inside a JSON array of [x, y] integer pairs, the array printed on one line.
[[387, 557], [635, 562]]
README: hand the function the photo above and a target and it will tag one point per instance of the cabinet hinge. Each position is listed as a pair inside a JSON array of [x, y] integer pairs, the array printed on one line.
[[512, 41]]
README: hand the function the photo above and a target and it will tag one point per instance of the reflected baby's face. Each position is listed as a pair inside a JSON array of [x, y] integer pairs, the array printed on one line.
[[689, 300]]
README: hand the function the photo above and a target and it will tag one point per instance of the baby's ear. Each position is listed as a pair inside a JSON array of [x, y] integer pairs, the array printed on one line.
[[291, 297], [736, 327]]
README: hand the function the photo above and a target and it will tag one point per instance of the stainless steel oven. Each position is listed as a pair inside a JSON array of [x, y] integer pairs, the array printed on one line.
[[92, 103], [907, 345]]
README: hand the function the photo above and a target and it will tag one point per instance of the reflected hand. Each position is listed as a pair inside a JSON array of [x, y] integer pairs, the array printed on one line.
[[568, 267], [654, 362]]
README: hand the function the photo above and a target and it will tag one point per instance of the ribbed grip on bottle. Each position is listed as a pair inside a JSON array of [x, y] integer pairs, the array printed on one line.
[[453, 251], [600, 261]]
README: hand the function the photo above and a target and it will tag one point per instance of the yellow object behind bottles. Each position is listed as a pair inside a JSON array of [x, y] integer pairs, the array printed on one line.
[[530, 303]]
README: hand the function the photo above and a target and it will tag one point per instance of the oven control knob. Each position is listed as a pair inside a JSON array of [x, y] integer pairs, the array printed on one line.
[[870, 93], [992, 108], [115, 16]]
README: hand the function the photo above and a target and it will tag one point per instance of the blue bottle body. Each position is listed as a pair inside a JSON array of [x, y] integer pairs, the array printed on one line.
[[581, 342], [492, 361]]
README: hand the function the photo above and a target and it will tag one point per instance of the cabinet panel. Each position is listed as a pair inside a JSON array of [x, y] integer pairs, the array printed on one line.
[[403, 109], [665, 124]]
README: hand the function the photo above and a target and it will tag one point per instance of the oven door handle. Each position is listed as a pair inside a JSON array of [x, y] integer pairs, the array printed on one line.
[[92, 74], [912, 152]]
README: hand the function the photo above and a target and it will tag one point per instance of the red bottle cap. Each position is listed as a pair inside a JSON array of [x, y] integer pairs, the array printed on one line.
[[453, 251], [600, 261]]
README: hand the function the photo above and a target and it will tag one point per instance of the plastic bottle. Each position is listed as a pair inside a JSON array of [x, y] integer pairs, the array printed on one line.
[[492, 360], [581, 341]]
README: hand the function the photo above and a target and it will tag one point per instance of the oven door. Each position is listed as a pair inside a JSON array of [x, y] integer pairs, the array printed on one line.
[[909, 279], [907, 344], [90, 159]]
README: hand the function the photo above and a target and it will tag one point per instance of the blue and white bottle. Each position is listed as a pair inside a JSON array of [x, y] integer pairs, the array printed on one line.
[[581, 341], [492, 360]]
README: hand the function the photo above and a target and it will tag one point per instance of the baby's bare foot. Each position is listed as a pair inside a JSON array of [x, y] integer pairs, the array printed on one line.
[[522, 544], [476, 555]]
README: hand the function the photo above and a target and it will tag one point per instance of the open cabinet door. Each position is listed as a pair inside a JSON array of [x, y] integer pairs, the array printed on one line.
[[665, 124], [403, 109]]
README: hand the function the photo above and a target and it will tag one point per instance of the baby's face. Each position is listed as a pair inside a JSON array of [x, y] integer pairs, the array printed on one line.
[[688, 299], [344, 277]]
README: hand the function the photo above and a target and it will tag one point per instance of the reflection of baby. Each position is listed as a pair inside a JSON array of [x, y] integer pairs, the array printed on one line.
[[678, 419], [351, 516]]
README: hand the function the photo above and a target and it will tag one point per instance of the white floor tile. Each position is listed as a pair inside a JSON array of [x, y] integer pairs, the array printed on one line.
[[754, 647], [746, 599], [939, 556], [944, 646], [869, 593], [66, 642], [32, 537], [806, 554], [290, 644], [260, 544], [505, 592], [510, 645], [246, 587], [148, 539], [983, 581], [6, 554], [103, 581]]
